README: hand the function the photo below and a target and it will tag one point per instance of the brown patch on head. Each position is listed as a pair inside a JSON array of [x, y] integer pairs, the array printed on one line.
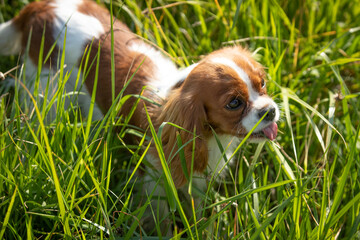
[[243, 58], [253, 69], [32, 19]]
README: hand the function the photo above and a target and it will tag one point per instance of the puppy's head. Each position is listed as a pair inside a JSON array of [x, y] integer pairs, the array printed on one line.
[[231, 87], [225, 92]]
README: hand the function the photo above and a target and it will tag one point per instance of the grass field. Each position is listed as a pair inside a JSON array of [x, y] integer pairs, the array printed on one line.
[[74, 179]]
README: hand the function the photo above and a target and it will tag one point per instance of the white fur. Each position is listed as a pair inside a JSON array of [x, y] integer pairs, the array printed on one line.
[[46, 77], [49, 76], [10, 39], [184, 72], [252, 117], [216, 161], [166, 72], [167, 75], [80, 29]]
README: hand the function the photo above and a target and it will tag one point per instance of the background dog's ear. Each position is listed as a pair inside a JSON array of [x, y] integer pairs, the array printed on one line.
[[189, 114]]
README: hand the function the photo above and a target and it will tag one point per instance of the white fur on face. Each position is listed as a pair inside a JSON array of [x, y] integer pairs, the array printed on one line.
[[252, 117], [257, 102]]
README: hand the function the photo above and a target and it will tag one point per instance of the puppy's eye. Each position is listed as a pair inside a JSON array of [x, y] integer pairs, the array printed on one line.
[[234, 104], [263, 83]]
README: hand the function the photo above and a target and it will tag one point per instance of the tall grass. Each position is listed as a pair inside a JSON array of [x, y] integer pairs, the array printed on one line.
[[77, 178]]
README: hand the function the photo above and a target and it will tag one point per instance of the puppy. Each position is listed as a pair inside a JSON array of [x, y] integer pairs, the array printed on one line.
[[225, 93]]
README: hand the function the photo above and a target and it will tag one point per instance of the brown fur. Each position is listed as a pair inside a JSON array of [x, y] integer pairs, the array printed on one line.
[[185, 111], [33, 18], [127, 63]]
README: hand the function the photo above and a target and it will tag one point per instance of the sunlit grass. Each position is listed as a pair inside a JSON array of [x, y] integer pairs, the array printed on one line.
[[74, 177]]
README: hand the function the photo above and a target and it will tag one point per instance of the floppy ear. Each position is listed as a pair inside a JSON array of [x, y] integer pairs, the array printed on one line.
[[188, 113]]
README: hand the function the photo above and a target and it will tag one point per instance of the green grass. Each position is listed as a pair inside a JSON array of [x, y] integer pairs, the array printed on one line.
[[74, 178]]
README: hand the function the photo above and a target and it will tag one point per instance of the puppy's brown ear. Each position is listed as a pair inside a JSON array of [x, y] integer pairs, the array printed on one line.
[[188, 113]]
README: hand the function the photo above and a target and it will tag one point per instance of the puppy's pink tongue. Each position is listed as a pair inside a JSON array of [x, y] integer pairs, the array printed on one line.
[[271, 131]]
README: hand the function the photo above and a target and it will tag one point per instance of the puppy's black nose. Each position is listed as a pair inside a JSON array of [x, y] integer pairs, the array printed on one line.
[[270, 115]]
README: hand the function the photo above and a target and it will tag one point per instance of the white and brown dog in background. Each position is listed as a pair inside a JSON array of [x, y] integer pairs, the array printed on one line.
[[223, 93]]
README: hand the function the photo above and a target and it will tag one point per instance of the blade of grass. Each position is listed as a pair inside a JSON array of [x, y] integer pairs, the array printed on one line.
[[341, 186], [272, 217], [249, 192], [288, 93], [8, 213], [50, 163]]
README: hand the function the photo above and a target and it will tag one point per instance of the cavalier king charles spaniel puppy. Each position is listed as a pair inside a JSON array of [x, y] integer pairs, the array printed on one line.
[[224, 93]]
